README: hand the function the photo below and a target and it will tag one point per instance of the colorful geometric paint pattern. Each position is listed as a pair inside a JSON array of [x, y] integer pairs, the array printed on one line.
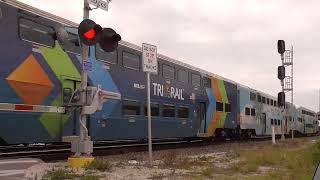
[[216, 119], [61, 64], [30, 81], [32, 84]]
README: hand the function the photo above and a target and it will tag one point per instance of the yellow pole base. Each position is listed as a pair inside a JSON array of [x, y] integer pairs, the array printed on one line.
[[79, 162]]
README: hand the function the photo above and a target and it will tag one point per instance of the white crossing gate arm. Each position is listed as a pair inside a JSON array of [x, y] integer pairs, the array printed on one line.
[[31, 108]]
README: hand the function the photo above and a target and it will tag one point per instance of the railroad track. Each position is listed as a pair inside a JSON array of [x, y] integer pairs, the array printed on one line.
[[63, 151], [100, 149]]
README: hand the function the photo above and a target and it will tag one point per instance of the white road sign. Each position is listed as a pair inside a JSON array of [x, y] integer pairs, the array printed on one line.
[[149, 58], [100, 4]]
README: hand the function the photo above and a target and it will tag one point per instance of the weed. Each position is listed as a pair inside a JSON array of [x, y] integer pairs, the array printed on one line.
[[207, 172], [60, 174], [100, 164], [89, 177], [169, 159], [203, 158], [157, 176]]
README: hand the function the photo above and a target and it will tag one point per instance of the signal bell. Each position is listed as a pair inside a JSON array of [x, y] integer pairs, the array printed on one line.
[[91, 33]]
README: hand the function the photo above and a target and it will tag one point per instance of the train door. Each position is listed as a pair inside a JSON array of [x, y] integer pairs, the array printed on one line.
[[202, 116], [69, 85], [264, 123]]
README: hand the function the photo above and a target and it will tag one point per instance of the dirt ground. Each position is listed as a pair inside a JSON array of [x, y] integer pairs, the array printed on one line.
[[291, 159]]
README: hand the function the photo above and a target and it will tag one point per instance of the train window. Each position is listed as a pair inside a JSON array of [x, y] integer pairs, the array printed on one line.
[[195, 79], [263, 100], [108, 57], [253, 112], [36, 33], [219, 106], [183, 112], [167, 71], [154, 110], [131, 61], [206, 82], [168, 111], [271, 121], [228, 107], [275, 103], [130, 107], [0, 13], [279, 122], [259, 98], [182, 76], [268, 101], [247, 111], [73, 45], [271, 102], [253, 96]]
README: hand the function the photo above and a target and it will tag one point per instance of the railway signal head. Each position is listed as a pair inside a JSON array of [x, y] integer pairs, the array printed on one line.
[[109, 40], [281, 72], [281, 99], [89, 32], [281, 46]]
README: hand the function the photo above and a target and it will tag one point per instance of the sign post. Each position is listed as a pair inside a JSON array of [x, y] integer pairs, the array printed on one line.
[[149, 65]]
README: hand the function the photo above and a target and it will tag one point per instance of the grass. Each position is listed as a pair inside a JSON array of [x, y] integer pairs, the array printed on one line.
[[289, 160], [174, 161], [60, 174], [101, 164], [157, 176], [299, 162]]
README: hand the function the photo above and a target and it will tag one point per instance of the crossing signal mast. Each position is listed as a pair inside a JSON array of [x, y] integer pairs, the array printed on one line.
[[286, 81], [91, 34]]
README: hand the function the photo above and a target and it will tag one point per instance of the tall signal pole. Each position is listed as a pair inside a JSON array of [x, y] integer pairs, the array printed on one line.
[[84, 80]]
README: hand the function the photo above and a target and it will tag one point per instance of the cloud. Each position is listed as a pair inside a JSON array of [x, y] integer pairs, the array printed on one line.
[[235, 39]]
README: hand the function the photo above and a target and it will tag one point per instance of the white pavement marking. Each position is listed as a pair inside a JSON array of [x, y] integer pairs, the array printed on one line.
[[20, 161], [11, 172]]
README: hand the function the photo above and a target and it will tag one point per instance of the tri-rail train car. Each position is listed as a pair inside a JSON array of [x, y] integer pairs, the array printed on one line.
[[37, 70]]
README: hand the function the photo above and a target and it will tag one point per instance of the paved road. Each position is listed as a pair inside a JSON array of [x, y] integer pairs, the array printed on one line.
[[14, 169]]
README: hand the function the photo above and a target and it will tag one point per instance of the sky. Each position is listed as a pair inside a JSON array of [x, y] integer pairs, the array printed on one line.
[[234, 39]]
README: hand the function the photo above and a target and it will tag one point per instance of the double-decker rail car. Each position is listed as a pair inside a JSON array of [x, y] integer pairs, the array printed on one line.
[[307, 122], [258, 113], [37, 69]]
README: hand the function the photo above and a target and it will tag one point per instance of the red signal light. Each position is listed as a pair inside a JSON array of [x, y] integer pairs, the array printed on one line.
[[90, 34]]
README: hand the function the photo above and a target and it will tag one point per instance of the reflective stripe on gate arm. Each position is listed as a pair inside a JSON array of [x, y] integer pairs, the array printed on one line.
[[30, 108]]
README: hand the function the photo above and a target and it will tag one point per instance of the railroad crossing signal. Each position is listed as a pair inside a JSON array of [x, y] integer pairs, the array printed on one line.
[[109, 40], [91, 33]]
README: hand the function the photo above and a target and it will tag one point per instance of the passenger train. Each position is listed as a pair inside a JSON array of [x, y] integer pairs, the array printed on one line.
[[186, 102]]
